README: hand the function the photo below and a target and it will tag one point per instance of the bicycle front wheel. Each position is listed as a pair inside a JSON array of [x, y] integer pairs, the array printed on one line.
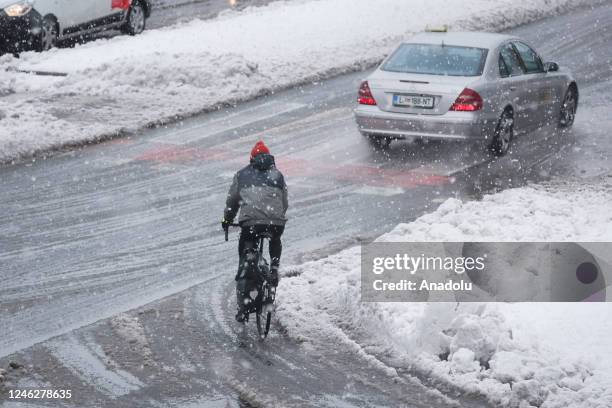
[[264, 318]]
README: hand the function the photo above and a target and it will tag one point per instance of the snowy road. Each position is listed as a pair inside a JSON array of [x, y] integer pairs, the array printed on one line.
[[93, 233]]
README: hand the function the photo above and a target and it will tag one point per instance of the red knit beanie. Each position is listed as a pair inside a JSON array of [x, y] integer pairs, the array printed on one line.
[[259, 148]]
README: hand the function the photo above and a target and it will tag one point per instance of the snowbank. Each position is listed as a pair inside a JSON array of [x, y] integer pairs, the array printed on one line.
[[114, 86], [518, 355]]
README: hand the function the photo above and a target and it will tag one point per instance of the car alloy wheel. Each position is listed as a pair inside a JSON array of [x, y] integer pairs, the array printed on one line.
[[48, 35], [569, 108], [136, 18]]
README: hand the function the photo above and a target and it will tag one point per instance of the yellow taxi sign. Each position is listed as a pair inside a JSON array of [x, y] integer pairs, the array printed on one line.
[[436, 29]]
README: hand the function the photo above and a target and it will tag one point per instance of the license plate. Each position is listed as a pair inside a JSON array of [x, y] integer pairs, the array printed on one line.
[[414, 101]]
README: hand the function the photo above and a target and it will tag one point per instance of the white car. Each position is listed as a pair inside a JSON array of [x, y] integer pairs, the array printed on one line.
[[39, 24], [453, 85]]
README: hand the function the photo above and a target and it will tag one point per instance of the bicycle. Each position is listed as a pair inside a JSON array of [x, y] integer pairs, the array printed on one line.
[[262, 304]]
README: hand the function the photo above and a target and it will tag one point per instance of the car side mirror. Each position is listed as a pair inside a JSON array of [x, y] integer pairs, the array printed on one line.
[[551, 67]]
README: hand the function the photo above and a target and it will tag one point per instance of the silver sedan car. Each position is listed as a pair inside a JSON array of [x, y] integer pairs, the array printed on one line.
[[452, 85]]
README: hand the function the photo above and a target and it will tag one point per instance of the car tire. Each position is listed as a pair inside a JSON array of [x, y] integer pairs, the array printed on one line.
[[49, 34], [504, 134], [569, 107], [136, 20]]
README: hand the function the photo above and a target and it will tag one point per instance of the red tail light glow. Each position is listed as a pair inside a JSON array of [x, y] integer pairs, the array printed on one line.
[[365, 95], [120, 4], [468, 101]]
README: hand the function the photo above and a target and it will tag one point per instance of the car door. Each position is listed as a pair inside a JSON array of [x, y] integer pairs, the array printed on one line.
[[541, 86], [98, 12], [75, 15], [514, 86], [112, 10]]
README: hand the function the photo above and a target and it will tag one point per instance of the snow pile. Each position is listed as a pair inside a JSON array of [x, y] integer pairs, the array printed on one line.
[[119, 85], [569, 213], [131, 330], [518, 355]]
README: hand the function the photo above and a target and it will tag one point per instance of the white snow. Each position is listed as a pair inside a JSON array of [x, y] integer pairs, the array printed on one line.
[[119, 85], [520, 355], [131, 331]]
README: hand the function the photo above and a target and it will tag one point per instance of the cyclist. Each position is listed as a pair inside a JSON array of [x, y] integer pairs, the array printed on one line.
[[260, 193]]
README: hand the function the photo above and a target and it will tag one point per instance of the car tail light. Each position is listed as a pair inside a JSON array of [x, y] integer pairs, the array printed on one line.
[[365, 95], [120, 4], [468, 101]]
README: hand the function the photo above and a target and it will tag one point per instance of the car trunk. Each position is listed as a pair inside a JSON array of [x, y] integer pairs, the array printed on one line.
[[443, 89]]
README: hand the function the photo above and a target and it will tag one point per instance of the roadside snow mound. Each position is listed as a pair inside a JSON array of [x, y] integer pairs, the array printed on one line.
[[119, 85], [523, 355]]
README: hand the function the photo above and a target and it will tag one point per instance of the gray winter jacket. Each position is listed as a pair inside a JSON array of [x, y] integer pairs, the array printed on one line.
[[259, 192]]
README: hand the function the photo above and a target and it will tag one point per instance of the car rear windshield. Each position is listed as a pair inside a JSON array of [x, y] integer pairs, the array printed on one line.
[[434, 59]]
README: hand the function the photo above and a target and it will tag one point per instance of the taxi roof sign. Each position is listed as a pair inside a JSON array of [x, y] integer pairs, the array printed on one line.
[[436, 29]]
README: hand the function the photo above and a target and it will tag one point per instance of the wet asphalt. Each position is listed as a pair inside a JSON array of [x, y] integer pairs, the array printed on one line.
[[133, 224]]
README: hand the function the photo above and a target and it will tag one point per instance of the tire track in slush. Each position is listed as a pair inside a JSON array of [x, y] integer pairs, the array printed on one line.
[[88, 362]]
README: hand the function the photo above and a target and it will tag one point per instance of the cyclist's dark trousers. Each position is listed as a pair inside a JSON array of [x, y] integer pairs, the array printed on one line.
[[248, 240], [243, 287]]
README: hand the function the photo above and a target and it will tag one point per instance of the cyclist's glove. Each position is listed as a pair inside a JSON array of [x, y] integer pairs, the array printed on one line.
[[225, 224]]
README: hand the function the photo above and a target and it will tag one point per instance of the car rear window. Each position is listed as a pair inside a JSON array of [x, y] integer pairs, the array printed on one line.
[[434, 59]]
